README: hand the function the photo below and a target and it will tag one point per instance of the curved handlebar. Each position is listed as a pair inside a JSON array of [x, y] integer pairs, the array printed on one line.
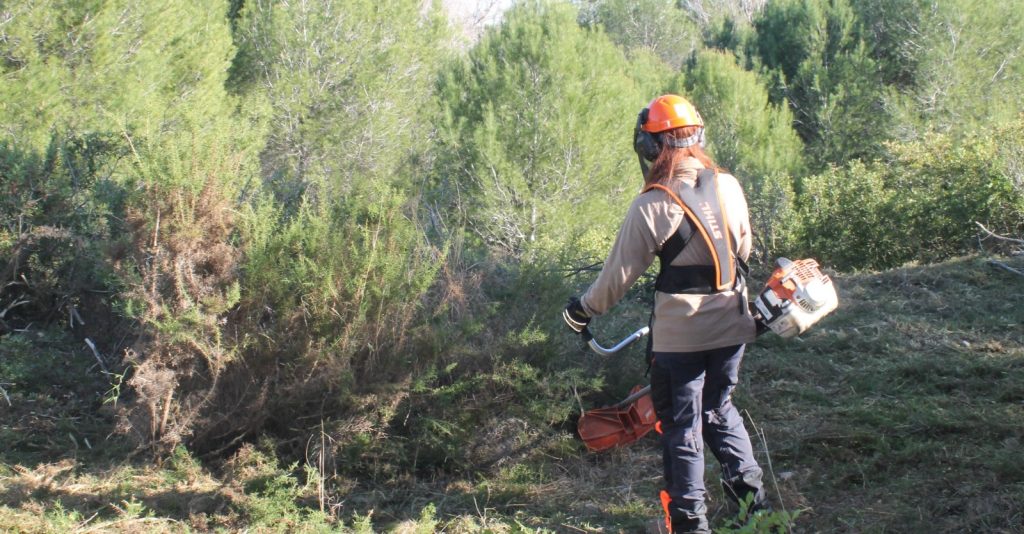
[[596, 347]]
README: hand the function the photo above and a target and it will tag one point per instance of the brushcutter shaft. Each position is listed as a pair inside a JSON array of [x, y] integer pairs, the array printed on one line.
[[596, 347], [630, 399]]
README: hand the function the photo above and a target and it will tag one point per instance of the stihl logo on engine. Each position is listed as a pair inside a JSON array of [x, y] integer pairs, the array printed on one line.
[[709, 217]]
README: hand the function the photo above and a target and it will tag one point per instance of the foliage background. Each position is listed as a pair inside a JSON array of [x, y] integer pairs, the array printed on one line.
[[322, 246]]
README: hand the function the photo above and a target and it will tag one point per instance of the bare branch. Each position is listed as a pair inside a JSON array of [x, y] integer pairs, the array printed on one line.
[[1005, 267], [74, 316], [11, 306], [997, 236], [96, 353], [573, 271]]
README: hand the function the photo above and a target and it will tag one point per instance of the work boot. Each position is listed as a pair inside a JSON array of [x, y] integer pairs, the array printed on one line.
[[747, 487], [689, 529], [658, 526], [689, 523]]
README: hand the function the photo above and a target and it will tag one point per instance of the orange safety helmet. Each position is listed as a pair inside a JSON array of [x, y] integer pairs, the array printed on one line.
[[670, 111], [667, 112]]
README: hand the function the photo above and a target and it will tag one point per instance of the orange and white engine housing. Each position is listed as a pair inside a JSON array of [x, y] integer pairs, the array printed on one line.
[[796, 296]]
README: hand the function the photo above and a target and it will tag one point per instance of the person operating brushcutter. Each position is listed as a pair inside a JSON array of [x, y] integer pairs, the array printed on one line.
[[693, 217]]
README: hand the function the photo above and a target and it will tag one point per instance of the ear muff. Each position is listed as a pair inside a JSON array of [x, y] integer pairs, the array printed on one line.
[[646, 144]]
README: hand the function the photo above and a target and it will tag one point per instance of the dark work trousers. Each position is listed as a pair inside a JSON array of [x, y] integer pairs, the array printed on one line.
[[692, 394]]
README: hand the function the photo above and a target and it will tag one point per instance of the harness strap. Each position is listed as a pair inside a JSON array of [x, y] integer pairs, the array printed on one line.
[[677, 242]]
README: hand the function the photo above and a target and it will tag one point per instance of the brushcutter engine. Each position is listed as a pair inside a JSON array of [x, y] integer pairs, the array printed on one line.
[[796, 296]]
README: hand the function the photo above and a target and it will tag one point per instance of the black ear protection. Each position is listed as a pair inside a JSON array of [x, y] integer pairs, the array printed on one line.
[[646, 144]]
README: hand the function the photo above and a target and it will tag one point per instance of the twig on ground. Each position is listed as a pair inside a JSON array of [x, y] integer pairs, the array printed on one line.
[[166, 412], [6, 398], [96, 353], [1005, 267], [142, 520], [89, 520], [997, 236], [74, 316], [771, 470], [578, 400]]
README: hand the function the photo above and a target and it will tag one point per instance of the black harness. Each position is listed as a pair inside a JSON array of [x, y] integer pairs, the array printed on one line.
[[705, 216]]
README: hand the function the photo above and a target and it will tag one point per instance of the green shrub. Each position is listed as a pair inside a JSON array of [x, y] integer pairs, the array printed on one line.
[[839, 210], [180, 276], [337, 286], [57, 224], [774, 219], [920, 205], [766, 522], [272, 493]]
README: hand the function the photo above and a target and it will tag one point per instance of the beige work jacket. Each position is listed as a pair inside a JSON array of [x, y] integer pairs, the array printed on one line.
[[682, 322]]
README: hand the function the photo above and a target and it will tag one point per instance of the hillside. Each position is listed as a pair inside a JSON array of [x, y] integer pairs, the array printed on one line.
[[902, 412], [278, 266]]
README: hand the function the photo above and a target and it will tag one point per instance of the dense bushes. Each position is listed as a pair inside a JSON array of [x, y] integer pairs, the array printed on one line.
[[919, 205], [232, 293], [56, 226], [332, 300]]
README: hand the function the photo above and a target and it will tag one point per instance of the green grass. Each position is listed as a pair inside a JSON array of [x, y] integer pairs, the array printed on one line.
[[901, 412], [904, 411]]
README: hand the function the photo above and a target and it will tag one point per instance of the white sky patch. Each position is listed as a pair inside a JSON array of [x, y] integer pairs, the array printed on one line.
[[472, 16]]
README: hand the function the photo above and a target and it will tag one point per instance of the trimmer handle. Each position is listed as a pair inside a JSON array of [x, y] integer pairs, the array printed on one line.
[[596, 347]]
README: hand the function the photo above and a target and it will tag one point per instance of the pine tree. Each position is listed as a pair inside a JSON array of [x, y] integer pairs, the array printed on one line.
[[347, 85], [535, 131], [658, 26], [959, 64], [746, 132], [827, 76], [119, 66]]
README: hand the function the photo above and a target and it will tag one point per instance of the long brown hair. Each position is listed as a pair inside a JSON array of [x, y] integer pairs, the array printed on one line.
[[670, 157]]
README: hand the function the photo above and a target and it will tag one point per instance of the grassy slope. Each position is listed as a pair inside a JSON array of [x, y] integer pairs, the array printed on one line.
[[903, 412]]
